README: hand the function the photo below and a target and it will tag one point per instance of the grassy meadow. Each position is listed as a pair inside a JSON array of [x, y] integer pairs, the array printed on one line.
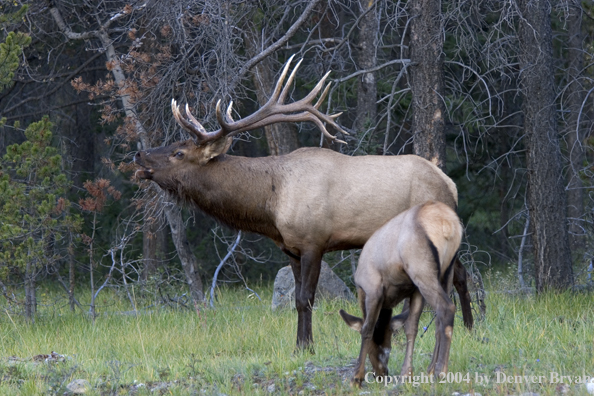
[[243, 348]]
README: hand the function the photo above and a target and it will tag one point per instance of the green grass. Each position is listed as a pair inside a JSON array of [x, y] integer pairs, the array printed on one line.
[[243, 347]]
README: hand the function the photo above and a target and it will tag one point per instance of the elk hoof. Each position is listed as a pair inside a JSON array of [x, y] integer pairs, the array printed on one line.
[[356, 383], [406, 373], [304, 348]]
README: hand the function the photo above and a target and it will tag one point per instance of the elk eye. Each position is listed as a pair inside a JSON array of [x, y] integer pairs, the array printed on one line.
[[179, 154]]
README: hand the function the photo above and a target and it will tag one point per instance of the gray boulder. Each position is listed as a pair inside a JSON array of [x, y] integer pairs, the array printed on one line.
[[79, 386], [329, 286]]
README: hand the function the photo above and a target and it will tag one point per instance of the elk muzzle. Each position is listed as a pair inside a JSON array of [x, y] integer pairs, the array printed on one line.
[[144, 172]]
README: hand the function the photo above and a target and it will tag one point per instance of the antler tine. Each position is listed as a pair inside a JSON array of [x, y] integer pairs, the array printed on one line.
[[332, 117], [323, 96], [226, 120], [322, 128], [195, 121], [279, 84], [229, 108], [283, 94], [191, 124], [329, 118], [225, 126], [314, 92], [275, 110], [178, 117], [318, 117], [311, 114], [174, 109]]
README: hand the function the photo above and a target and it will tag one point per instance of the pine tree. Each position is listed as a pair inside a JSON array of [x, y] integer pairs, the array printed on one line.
[[11, 48], [33, 208]]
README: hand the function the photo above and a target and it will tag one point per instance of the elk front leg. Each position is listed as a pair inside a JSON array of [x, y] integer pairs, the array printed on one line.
[[379, 355], [296, 267], [373, 302], [306, 272]]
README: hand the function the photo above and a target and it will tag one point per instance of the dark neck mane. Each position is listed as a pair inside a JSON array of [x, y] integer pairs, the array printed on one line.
[[237, 191]]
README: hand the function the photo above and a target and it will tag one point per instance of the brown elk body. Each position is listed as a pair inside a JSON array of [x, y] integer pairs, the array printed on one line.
[[308, 202], [411, 256]]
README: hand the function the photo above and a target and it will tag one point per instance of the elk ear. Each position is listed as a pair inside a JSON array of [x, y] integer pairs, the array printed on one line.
[[353, 322], [215, 148]]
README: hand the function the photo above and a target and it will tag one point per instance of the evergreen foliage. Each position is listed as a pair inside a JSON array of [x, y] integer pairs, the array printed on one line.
[[11, 48], [33, 208]]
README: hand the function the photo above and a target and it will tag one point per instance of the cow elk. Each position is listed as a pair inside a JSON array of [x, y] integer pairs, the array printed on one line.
[[308, 202], [411, 256]]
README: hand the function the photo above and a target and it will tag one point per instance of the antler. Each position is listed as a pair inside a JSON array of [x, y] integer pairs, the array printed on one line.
[[272, 112]]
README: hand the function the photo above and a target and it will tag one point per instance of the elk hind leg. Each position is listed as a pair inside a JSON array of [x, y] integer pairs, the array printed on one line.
[[411, 327], [444, 324], [461, 285]]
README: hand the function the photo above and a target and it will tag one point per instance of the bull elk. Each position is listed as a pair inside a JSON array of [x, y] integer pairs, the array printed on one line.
[[411, 256], [308, 202]]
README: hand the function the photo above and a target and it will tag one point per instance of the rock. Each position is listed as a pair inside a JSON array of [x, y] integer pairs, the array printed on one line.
[[79, 386], [271, 388], [160, 387], [563, 389], [329, 286]]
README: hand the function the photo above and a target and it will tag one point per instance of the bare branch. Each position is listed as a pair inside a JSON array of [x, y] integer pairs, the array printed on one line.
[[66, 29], [278, 44], [220, 266], [405, 62]]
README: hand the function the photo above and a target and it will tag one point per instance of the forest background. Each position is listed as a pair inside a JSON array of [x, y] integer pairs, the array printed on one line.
[[85, 84]]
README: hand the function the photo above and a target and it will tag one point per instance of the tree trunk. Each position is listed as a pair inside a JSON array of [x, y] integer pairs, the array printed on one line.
[[366, 59], [30, 296], [427, 87], [575, 92], [71, 275], [427, 83], [181, 243], [128, 106], [188, 260], [153, 246], [149, 249], [511, 108], [546, 194], [177, 230]]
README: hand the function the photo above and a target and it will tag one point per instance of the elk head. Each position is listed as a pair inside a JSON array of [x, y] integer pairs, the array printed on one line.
[[159, 164]]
